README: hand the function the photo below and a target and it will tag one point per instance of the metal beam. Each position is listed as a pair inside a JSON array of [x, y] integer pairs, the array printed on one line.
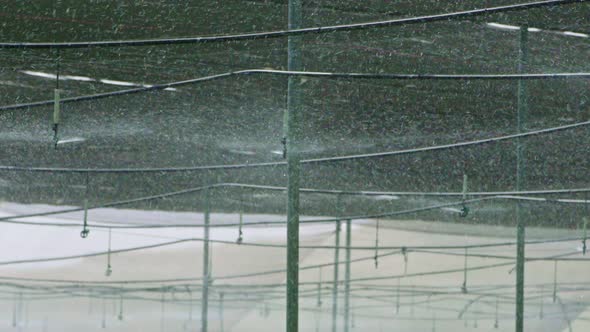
[[292, 135], [520, 172], [205, 291], [335, 284], [347, 280]]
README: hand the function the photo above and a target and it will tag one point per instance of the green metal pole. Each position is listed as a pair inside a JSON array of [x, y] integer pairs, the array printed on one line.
[[554, 281], [292, 135], [464, 286], [205, 292], [221, 318], [347, 280], [520, 168], [335, 285]]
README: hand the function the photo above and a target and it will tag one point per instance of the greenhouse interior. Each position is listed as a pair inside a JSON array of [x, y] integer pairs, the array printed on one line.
[[266, 165]]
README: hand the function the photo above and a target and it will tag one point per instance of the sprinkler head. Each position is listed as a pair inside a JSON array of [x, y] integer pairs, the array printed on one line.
[[84, 233], [464, 211]]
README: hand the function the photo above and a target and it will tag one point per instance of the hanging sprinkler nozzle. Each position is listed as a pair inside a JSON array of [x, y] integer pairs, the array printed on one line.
[[56, 116], [464, 209]]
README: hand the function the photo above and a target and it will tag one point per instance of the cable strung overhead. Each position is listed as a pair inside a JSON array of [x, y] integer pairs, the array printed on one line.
[[326, 75], [295, 32], [253, 223], [305, 161], [399, 250], [513, 195]]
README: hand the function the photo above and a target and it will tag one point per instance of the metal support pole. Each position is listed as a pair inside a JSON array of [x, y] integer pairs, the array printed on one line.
[[464, 286], [335, 284], [205, 293], [520, 168], [554, 281], [221, 318], [292, 134], [347, 280]]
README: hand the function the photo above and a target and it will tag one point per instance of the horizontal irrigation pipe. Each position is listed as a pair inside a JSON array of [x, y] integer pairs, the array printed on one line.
[[400, 248], [328, 75], [294, 32], [450, 271], [530, 259], [391, 277], [269, 305], [253, 223], [186, 289], [409, 193], [546, 200], [539, 132], [516, 195], [79, 284], [309, 293]]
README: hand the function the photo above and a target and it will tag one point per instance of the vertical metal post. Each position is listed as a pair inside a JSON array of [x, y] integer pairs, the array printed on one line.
[[464, 286], [104, 314], [14, 309], [554, 281], [163, 311], [397, 304], [520, 168], [292, 134], [56, 103], [205, 292], [347, 280], [335, 284], [221, 318]]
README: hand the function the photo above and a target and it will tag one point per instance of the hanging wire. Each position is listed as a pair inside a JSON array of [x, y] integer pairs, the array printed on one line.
[[542, 302], [85, 230], [405, 254], [56, 103], [120, 316], [266, 310], [162, 311], [319, 296], [464, 285], [397, 297], [464, 209], [412, 294], [90, 306], [190, 308], [433, 322], [104, 314], [109, 269], [496, 322], [554, 281], [14, 309], [240, 233], [20, 308], [585, 235], [585, 220], [376, 258], [221, 318], [26, 309]]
